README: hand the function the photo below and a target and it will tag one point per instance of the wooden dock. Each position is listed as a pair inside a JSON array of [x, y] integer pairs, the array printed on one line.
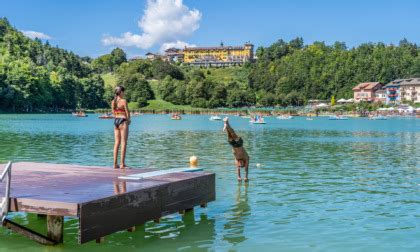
[[103, 202]]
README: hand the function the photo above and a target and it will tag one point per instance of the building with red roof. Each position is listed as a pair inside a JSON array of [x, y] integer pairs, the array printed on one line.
[[367, 92]]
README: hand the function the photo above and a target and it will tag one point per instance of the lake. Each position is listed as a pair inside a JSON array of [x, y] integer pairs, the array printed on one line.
[[316, 185]]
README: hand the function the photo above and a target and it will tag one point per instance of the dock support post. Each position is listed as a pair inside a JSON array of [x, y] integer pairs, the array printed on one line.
[[184, 211], [55, 228], [132, 229], [157, 220], [203, 205], [100, 240]]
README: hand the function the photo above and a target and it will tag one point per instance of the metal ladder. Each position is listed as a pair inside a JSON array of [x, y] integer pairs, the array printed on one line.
[[4, 205]]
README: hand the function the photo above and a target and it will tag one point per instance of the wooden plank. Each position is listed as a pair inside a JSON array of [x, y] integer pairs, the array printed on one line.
[[55, 227], [32, 235], [40, 183]]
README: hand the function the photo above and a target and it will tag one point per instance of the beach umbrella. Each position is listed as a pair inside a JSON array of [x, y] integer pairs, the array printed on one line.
[[321, 105]]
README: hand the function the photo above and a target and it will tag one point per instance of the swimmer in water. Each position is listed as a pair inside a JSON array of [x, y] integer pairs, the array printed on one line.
[[241, 156]]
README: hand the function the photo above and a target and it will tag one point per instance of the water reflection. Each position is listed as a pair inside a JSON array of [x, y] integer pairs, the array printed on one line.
[[192, 231], [120, 187], [238, 216]]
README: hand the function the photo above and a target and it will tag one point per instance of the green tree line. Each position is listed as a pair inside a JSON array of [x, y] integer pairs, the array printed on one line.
[[320, 71], [35, 76]]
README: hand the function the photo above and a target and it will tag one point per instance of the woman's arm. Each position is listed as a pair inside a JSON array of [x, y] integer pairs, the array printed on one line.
[[127, 112], [112, 108]]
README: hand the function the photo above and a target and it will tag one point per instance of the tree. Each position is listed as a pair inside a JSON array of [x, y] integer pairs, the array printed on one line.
[[197, 75], [267, 100], [109, 62], [143, 67], [91, 92], [137, 89], [118, 57], [332, 100], [161, 69]]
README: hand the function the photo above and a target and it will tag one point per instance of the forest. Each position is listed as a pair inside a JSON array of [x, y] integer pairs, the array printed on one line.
[[38, 77]]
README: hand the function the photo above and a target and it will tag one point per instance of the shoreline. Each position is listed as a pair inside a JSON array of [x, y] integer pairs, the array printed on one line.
[[234, 112]]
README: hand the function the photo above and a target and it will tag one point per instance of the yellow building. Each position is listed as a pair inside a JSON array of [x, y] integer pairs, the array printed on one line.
[[218, 56]]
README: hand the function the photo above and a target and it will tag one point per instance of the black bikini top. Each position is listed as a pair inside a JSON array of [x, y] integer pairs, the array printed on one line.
[[236, 143]]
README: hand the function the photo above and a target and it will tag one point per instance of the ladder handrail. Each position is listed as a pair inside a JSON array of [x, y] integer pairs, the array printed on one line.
[[5, 203]]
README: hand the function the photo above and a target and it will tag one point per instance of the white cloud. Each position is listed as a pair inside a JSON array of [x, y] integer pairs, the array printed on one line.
[[178, 44], [34, 34], [163, 22]]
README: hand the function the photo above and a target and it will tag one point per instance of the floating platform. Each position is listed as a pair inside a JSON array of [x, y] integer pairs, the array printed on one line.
[[100, 197]]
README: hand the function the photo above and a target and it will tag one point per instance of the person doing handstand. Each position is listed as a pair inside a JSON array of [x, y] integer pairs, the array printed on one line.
[[241, 156]]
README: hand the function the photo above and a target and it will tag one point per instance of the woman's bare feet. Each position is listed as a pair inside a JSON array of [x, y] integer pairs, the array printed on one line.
[[123, 166], [239, 179], [246, 179], [225, 120], [116, 166]]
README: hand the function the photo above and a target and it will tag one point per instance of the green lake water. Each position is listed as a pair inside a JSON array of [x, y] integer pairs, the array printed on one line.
[[315, 185]]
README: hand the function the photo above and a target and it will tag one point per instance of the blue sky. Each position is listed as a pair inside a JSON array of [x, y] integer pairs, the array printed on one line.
[[94, 27]]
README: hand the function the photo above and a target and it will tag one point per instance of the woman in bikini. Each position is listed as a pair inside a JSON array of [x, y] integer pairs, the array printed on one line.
[[121, 123], [241, 156]]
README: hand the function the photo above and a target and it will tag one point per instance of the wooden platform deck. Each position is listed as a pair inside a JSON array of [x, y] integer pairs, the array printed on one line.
[[102, 202]]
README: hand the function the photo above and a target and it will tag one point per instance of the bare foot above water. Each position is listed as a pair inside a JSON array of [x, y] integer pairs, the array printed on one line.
[[225, 120]]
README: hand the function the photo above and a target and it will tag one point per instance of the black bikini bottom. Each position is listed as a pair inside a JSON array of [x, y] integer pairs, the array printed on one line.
[[119, 121]]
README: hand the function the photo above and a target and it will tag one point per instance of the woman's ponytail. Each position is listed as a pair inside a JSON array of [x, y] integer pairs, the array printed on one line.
[[118, 90]]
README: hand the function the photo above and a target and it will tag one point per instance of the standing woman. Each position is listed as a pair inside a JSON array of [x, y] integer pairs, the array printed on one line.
[[121, 123]]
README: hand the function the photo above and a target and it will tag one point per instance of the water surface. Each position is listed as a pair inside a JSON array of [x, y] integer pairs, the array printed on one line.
[[315, 185]]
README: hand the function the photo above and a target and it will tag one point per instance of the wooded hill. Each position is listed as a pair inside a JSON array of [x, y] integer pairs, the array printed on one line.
[[35, 76]]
